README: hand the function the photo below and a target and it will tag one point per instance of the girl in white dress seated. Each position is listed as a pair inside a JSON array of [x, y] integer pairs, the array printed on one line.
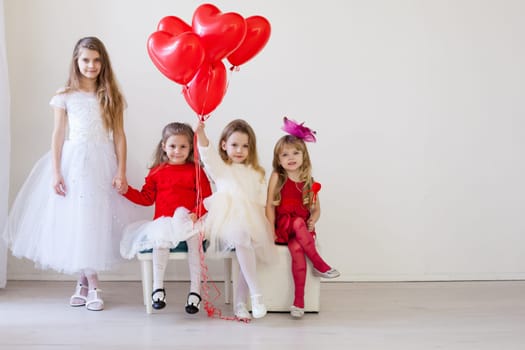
[[236, 217]]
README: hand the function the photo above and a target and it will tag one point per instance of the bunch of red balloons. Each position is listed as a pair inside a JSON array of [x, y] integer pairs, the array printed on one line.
[[192, 55]]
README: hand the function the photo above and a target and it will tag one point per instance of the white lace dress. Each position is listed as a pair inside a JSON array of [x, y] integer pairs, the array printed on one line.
[[82, 229]]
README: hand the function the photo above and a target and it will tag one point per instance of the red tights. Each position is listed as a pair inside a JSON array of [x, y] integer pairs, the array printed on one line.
[[302, 245]]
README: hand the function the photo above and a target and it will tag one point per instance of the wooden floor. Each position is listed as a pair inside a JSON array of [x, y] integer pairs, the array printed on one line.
[[358, 316]]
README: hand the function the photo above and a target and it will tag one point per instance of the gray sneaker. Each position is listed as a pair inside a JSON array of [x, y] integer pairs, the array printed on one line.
[[296, 312], [332, 273]]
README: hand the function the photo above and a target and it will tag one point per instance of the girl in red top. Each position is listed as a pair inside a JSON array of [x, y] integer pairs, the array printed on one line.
[[293, 208], [173, 184]]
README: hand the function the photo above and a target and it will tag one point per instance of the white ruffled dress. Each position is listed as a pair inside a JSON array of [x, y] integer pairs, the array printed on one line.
[[236, 215], [83, 229], [164, 232]]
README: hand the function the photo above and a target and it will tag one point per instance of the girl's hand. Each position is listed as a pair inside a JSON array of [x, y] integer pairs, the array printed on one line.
[[193, 217], [59, 185], [199, 127], [274, 235], [311, 225], [120, 183], [201, 135]]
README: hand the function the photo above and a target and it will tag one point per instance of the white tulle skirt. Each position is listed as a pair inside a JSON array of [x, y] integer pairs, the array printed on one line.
[[78, 231], [234, 222], [163, 232]]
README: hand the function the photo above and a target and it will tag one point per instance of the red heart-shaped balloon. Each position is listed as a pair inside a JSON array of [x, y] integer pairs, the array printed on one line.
[[221, 33], [257, 34], [205, 92], [173, 25], [177, 57]]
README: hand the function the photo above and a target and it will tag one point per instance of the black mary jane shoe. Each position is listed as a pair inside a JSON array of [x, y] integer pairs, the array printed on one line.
[[192, 308], [159, 303]]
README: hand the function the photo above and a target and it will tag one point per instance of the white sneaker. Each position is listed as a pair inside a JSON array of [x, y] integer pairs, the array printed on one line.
[[296, 312], [241, 311], [258, 308], [332, 273]]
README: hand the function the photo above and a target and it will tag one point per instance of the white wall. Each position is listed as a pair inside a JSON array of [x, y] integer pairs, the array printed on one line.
[[418, 107]]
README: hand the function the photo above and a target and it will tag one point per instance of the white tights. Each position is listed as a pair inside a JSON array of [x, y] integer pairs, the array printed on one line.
[[247, 282], [194, 263], [88, 278], [160, 263]]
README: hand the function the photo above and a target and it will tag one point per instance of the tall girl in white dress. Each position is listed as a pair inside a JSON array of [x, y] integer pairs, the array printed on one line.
[[69, 214], [236, 217]]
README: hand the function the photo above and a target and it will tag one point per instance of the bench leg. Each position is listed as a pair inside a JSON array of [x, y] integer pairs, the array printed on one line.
[[147, 283], [227, 280]]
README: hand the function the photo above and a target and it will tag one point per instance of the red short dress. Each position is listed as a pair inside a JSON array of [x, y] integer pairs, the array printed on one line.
[[291, 207]]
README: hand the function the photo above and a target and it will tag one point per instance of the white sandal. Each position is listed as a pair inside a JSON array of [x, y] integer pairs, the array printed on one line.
[[78, 299], [94, 302]]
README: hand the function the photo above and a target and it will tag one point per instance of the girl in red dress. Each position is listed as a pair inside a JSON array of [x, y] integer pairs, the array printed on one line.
[[173, 184], [293, 207]]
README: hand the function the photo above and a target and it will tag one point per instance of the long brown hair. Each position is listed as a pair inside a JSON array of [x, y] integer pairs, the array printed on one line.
[[305, 171], [160, 157], [240, 125], [111, 100]]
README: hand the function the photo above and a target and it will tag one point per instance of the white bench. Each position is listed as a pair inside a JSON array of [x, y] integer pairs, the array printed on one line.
[[277, 285]]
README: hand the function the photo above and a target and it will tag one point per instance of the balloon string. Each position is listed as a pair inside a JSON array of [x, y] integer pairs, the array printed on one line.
[[209, 305], [230, 73], [203, 117]]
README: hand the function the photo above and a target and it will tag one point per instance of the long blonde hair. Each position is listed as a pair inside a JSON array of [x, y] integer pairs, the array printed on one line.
[[160, 157], [110, 99], [240, 125], [305, 171]]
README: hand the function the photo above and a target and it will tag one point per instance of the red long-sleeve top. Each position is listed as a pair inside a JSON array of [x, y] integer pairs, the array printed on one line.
[[171, 186]]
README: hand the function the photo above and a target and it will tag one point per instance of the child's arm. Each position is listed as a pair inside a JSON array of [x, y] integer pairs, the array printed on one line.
[[315, 214], [146, 196], [119, 181], [201, 135], [209, 156], [57, 141], [270, 207]]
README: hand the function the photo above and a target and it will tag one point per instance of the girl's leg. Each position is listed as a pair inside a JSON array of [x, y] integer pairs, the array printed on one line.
[[239, 298], [81, 291], [298, 271], [94, 301], [241, 291], [194, 264], [92, 278], [160, 263], [248, 265], [306, 240], [82, 279]]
